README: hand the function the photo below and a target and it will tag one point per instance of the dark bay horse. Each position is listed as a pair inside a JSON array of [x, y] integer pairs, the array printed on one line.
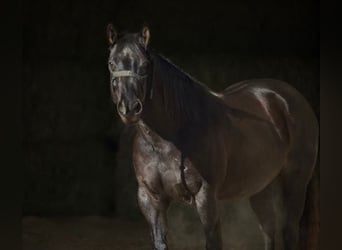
[[256, 139]]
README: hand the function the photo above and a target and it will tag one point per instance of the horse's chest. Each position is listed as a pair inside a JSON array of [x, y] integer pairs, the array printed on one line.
[[162, 170]]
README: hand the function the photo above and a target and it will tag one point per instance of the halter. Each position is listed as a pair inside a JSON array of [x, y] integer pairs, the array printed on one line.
[[123, 73], [129, 73]]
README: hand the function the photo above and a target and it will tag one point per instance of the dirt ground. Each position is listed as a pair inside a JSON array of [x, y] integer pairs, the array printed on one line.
[[239, 227], [86, 233]]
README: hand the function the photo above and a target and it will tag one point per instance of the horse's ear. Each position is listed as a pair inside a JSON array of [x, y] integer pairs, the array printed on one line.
[[145, 36], [111, 34]]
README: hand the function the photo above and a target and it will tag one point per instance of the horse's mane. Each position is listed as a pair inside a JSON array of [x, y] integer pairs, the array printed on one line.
[[184, 97]]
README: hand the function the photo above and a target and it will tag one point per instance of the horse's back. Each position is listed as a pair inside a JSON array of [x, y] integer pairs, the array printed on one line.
[[254, 89], [275, 101]]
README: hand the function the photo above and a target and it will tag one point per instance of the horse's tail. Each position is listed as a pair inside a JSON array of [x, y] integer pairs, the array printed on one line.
[[309, 224]]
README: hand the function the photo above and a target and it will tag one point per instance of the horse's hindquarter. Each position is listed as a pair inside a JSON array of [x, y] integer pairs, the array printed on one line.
[[259, 140]]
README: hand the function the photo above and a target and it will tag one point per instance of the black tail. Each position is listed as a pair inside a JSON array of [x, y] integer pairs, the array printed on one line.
[[310, 224]]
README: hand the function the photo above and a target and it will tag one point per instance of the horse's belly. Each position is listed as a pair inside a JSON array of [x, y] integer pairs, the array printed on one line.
[[254, 162], [256, 178]]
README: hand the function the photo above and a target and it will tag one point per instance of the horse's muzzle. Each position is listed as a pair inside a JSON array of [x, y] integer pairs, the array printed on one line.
[[130, 111]]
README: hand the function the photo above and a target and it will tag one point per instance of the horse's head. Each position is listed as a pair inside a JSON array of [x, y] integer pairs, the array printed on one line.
[[129, 67]]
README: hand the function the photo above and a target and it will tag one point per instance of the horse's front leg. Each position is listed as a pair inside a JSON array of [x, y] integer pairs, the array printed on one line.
[[207, 208], [154, 209]]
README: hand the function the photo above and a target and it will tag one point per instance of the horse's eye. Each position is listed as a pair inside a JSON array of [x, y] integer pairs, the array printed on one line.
[[114, 83], [110, 65]]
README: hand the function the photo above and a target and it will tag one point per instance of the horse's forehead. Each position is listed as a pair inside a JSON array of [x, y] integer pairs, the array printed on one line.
[[126, 51]]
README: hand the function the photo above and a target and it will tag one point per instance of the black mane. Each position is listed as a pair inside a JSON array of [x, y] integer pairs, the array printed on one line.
[[184, 97]]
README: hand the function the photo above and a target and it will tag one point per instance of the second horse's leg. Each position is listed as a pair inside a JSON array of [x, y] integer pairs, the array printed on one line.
[[206, 204], [154, 209]]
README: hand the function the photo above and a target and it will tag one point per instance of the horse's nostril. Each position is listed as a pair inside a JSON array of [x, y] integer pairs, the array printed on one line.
[[137, 107], [122, 108]]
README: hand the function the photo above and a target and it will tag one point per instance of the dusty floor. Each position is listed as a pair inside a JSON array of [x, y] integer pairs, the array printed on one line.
[[87, 233], [240, 232]]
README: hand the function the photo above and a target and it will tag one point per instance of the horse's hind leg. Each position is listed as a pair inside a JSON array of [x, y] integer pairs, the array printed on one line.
[[280, 205], [206, 204], [295, 178], [269, 210]]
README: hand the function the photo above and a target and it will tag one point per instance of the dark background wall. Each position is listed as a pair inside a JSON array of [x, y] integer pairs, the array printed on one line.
[[76, 150]]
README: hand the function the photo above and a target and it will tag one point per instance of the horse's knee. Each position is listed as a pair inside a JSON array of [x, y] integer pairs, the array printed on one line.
[[154, 210]]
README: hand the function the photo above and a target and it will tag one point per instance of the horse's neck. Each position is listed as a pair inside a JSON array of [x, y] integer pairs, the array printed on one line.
[[192, 103], [155, 118]]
